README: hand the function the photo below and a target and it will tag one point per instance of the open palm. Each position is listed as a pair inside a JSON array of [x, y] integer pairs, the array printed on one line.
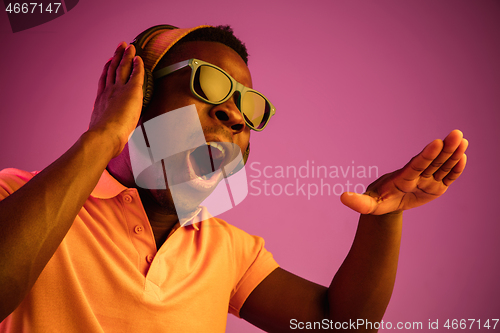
[[426, 177]]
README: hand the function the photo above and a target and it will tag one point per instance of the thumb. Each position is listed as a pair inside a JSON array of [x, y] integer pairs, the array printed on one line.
[[361, 203]]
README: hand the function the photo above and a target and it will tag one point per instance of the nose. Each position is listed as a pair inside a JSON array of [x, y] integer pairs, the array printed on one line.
[[229, 115]]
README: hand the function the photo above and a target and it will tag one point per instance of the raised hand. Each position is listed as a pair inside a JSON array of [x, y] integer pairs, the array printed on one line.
[[426, 177], [117, 108]]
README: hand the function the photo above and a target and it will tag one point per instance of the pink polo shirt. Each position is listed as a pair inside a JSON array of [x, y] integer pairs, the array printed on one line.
[[107, 276]]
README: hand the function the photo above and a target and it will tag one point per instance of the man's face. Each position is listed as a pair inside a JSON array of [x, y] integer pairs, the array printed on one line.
[[220, 123]]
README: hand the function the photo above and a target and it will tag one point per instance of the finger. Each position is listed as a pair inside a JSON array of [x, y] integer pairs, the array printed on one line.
[[456, 171], [452, 161], [419, 163], [137, 76], [450, 145], [125, 67], [361, 203], [115, 61], [102, 80]]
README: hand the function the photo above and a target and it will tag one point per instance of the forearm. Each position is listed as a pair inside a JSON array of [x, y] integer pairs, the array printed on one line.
[[36, 217], [363, 285]]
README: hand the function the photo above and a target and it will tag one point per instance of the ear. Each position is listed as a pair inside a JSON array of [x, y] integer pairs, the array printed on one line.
[[245, 155]]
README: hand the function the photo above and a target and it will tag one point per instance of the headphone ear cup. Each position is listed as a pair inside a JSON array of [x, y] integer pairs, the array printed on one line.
[[139, 42], [147, 88]]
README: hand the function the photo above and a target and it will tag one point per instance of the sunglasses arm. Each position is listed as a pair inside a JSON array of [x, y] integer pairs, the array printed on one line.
[[170, 69]]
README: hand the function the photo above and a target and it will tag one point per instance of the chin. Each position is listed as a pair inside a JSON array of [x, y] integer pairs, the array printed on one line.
[[181, 203], [186, 199]]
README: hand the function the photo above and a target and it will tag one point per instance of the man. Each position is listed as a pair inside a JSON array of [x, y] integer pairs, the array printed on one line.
[[85, 249]]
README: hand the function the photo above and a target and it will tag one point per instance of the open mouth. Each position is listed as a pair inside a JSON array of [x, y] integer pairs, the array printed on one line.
[[205, 160]]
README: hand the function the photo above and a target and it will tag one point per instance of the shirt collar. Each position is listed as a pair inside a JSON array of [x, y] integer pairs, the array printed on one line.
[[200, 215], [108, 187]]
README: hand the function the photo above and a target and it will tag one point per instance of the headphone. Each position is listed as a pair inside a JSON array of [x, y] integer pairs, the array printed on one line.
[[139, 43]]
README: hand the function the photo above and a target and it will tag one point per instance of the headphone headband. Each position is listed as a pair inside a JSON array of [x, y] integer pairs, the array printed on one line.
[[141, 40]]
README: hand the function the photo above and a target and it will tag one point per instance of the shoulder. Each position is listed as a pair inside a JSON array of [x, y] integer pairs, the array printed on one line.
[[218, 226], [240, 242], [12, 179]]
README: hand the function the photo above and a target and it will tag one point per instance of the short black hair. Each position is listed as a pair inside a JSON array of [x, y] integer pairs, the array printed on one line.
[[221, 33]]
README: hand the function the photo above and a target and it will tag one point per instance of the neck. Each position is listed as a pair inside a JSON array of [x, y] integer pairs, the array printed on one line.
[[162, 219]]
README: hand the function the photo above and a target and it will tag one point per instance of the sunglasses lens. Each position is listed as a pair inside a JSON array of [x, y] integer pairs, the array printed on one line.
[[255, 109], [211, 84]]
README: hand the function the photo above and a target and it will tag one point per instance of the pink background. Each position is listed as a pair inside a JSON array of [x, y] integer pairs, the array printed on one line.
[[364, 81]]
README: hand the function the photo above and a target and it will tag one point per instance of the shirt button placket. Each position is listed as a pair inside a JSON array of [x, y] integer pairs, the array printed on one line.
[[138, 229]]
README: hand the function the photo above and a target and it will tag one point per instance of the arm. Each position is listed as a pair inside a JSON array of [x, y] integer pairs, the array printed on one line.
[[362, 287], [41, 212]]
